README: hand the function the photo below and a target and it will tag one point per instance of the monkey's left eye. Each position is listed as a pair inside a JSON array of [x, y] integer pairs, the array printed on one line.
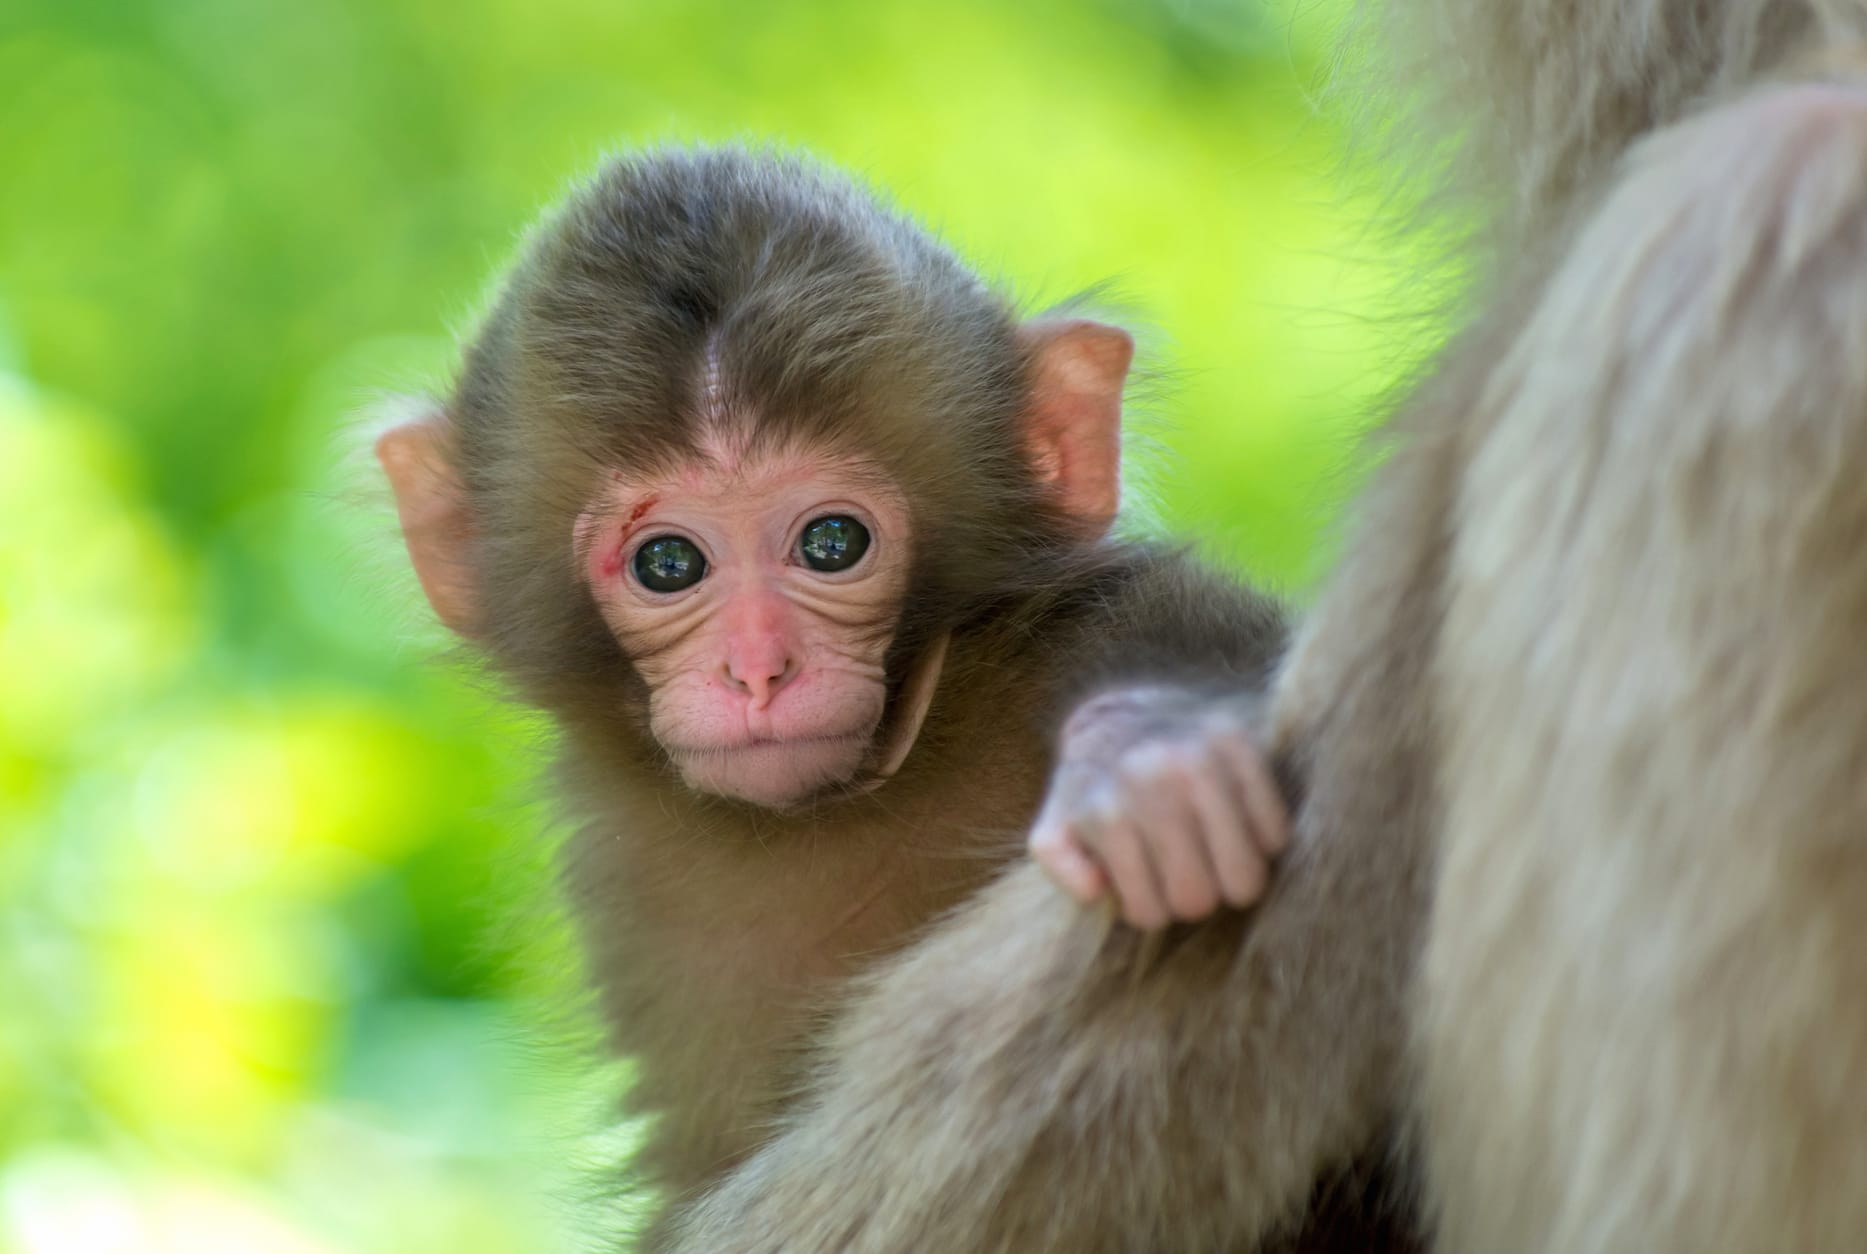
[[668, 564], [832, 543]]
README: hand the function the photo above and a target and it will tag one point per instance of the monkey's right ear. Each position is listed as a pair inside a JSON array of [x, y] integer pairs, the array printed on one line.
[[1072, 421], [417, 455]]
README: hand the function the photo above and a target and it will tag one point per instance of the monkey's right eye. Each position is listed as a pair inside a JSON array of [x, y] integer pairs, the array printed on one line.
[[668, 564]]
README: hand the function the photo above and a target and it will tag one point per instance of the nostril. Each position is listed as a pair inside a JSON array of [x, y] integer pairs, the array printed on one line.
[[758, 680], [772, 678]]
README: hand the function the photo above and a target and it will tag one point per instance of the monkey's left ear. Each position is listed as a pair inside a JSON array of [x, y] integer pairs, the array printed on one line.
[[1072, 421], [417, 455]]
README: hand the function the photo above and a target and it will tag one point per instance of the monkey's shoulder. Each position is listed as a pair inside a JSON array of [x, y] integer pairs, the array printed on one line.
[[1145, 610]]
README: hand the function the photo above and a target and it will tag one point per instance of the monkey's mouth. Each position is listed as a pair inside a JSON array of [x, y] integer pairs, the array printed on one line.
[[771, 771]]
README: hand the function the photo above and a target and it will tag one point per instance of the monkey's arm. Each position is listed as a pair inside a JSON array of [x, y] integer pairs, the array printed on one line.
[[1168, 624], [1161, 794]]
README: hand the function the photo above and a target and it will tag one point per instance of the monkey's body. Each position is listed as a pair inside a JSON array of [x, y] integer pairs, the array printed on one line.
[[715, 1007], [718, 1008]]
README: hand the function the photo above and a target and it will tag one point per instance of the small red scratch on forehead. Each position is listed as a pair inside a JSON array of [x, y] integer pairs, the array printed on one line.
[[637, 512], [608, 558]]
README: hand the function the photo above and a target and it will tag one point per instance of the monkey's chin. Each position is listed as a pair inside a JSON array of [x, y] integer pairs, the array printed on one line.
[[774, 773]]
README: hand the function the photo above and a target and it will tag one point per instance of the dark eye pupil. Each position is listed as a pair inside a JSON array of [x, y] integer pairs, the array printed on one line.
[[668, 564], [833, 543]]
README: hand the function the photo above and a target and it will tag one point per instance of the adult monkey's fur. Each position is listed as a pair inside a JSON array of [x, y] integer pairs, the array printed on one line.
[[1583, 714]]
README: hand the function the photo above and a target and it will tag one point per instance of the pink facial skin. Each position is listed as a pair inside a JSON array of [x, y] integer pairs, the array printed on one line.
[[765, 676]]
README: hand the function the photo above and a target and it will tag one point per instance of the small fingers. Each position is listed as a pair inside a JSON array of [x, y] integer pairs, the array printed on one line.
[[1126, 860], [1186, 876], [1067, 863], [1175, 843], [1231, 845], [1263, 799]]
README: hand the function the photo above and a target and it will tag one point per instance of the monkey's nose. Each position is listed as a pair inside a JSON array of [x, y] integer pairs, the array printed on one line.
[[759, 672]]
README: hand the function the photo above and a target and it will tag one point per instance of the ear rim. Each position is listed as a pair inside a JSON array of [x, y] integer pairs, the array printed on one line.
[[916, 699], [416, 455], [1072, 418]]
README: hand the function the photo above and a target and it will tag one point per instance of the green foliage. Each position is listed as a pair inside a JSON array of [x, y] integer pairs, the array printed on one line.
[[269, 883]]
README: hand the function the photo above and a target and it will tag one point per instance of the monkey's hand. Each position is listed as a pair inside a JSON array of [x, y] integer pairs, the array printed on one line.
[[1174, 814]]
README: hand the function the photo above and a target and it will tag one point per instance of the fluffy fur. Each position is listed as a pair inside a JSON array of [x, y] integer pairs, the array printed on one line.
[[1583, 715]]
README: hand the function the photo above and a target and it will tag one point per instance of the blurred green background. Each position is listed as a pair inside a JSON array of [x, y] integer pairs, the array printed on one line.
[[277, 970]]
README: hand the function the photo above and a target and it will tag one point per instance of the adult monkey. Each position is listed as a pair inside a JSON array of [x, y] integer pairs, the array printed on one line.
[[1582, 715]]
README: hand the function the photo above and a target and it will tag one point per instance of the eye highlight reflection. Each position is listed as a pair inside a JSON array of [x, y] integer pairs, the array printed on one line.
[[668, 564], [832, 543]]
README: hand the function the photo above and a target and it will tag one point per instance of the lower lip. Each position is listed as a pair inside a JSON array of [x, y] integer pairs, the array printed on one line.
[[772, 772], [766, 746]]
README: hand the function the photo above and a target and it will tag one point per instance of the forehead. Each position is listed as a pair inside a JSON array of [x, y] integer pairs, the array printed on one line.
[[725, 469]]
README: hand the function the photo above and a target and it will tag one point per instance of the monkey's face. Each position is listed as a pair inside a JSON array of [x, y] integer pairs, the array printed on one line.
[[757, 595]]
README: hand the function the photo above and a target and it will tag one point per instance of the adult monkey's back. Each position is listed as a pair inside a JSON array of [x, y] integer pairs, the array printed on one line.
[[1588, 681]]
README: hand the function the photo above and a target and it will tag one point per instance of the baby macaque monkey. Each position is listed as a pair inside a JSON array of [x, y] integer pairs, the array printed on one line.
[[799, 535]]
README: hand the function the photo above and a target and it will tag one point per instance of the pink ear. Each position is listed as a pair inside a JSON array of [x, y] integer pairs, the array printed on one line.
[[418, 458], [1073, 415]]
